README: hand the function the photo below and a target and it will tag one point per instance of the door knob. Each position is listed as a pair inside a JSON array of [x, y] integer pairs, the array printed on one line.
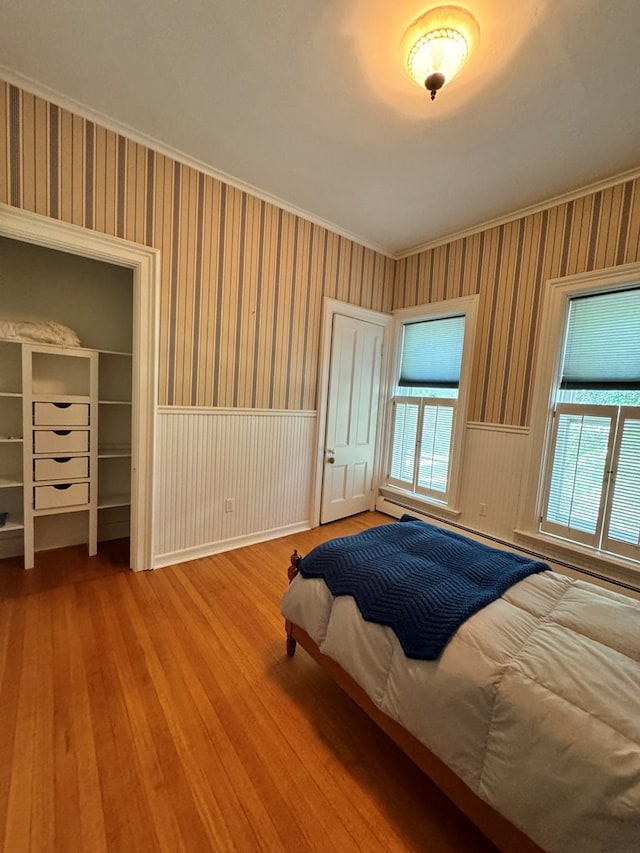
[[331, 455], [331, 460]]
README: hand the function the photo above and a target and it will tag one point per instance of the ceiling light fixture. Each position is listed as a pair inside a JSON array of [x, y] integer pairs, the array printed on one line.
[[437, 45]]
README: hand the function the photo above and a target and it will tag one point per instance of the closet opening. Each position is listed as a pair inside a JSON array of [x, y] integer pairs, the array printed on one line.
[[104, 290]]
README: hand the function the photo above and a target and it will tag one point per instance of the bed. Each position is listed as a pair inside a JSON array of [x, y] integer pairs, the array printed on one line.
[[529, 715]]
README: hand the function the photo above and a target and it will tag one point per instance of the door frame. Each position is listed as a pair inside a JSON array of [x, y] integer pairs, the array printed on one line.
[[144, 262], [346, 309]]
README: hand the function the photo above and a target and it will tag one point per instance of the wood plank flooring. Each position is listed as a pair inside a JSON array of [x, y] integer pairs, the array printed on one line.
[[158, 711]]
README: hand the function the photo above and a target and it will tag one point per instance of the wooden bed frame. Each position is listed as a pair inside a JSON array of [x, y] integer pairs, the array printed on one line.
[[493, 825]]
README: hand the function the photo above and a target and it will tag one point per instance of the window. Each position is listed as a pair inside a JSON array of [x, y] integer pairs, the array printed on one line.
[[591, 488], [429, 399]]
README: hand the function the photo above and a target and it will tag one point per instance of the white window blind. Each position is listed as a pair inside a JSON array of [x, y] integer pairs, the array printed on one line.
[[593, 491], [623, 517], [602, 348], [432, 353], [422, 430], [403, 451], [581, 445], [433, 465]]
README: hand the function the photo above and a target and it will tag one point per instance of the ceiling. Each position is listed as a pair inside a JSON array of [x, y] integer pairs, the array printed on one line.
[[306, 102]]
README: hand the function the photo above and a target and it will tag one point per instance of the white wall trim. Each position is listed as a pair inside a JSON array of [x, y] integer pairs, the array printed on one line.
[[608, 567], [497, 427], [547, 204], [163, 560], [221, 410], [80, 109], [144, 262], [395, 502], [330, 308]]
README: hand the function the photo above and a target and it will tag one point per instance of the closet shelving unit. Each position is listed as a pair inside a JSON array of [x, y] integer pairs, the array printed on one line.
[[11, 437], [114, 417], [59, 394], [65, 436]]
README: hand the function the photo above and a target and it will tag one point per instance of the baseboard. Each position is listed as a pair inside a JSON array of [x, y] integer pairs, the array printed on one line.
[[162, 560]]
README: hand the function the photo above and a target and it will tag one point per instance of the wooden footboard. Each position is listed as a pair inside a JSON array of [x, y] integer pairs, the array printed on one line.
[[289, 626], [493, 825]]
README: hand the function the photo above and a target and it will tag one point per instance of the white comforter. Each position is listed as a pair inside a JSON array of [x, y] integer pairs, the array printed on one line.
[[535, 702]]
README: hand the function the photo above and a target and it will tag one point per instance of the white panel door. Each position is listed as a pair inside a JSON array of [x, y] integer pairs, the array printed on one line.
[[352, 411]]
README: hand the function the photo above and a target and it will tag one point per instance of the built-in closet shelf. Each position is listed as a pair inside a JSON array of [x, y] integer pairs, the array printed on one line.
[[58, 481], [114, 380], [11, 373], [59, 510], [114, 452], [10, 526], [111, 501], [11, 428], [49, 454], [11, 439], [61, 398], [114, 445]]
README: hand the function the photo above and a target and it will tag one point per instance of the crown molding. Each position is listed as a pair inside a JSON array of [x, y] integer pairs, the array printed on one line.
[[604, 184], [55, 97], [41, 91]]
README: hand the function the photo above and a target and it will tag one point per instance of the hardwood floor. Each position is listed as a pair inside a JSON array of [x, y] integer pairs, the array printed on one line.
[[158, 711]]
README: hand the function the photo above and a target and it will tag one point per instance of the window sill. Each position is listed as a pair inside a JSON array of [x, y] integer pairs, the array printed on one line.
[[397, 499], [608, 567]]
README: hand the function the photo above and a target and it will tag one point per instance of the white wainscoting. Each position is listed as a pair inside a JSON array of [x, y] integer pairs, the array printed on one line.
[[261, 460], [492, 466]]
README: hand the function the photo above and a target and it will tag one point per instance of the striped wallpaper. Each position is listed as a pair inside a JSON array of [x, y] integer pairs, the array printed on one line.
[[508, 266], [242, 280]]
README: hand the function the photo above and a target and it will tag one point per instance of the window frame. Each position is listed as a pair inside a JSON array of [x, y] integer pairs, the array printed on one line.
[[626, 413], [466, 306], [553, 325], [580, 410], [421, 403]]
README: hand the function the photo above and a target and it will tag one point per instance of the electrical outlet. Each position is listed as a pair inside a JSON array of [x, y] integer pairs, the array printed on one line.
[[483, 509], [229, 504]]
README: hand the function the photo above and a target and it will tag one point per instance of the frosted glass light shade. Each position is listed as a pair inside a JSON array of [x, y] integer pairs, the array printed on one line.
[[437, 45], [443, 51]]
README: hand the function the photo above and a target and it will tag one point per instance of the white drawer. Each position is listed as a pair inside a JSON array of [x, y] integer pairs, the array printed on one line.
[[65, 414], [67, 494], [61, 468], [60, 441]]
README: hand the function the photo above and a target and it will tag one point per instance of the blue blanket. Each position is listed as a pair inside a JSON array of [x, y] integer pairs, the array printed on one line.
[[422, 581]]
